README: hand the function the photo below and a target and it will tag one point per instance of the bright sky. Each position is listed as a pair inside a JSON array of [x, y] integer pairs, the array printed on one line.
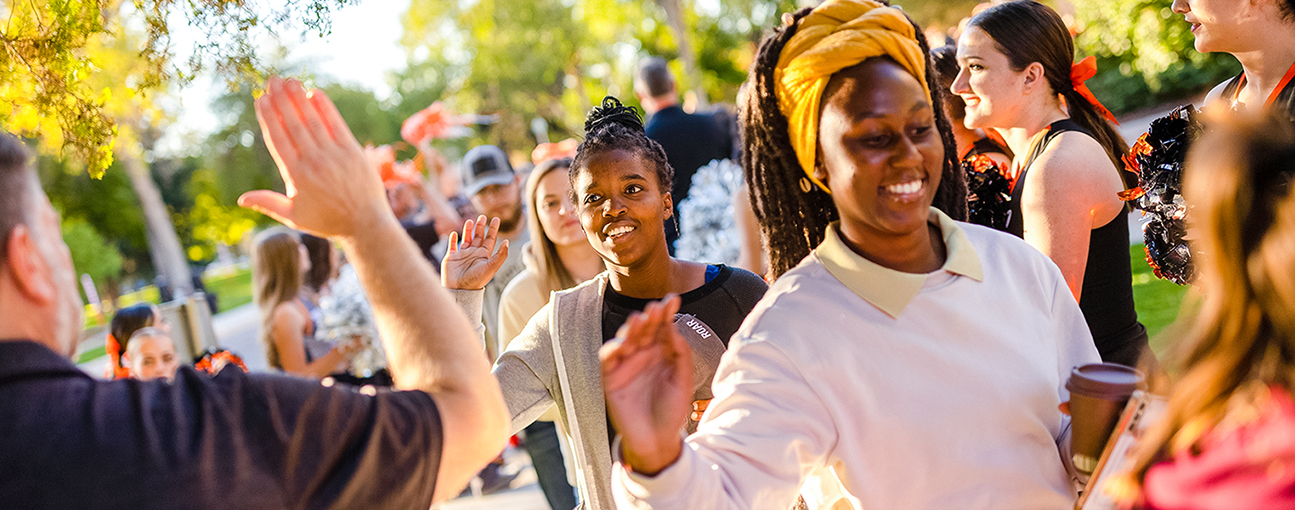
[[363, 48]]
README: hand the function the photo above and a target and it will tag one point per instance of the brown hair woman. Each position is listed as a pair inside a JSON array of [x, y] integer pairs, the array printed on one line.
[[1018, 76]]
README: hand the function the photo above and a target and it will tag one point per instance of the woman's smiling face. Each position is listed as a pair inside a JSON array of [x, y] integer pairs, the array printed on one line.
[[986, 81], [879, 150], [622, 206]]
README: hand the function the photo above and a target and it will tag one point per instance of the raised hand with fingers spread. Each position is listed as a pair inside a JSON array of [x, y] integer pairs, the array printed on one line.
[[470, 264], [647, 379], [331, 189]]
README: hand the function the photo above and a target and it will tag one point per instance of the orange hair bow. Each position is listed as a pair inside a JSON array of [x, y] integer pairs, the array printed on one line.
[[1080, 72], [546, 151], [114, 358]]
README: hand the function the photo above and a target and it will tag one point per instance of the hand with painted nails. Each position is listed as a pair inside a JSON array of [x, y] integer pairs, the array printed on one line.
[[331, 190], [647, 380], [470, 264]]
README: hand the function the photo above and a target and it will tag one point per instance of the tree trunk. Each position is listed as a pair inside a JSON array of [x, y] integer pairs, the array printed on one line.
[[674, 16], [163, 244]]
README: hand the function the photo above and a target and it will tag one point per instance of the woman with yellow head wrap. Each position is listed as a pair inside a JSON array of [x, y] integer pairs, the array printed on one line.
[[781, 115], [908, 360]]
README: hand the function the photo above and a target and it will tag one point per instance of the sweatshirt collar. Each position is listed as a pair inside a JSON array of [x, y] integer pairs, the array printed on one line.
[[887, 289]]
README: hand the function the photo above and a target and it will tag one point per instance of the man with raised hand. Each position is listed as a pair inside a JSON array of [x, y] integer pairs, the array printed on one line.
[[243, 440]]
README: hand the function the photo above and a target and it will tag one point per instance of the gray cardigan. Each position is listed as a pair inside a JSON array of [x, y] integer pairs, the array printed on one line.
[[554, 361]]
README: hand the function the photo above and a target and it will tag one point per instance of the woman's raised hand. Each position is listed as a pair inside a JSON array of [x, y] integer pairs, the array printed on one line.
[[470, 264], [647, 380], [331, 189]]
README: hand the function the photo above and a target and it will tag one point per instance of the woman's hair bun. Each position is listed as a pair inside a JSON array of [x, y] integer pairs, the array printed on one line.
[[612, 111]]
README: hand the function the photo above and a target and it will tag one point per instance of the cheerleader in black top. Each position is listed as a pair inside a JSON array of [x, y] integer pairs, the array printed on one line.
[[1016, 75], [1261, 35]]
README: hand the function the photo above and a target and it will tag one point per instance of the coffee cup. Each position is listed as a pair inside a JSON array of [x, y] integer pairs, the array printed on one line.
[[1098, 394]]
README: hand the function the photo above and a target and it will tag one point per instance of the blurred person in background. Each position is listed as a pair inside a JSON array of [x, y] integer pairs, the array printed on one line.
[[690, 140], [124, 324], [1227, 438], [495, 190], [279, 263], [151, 355]]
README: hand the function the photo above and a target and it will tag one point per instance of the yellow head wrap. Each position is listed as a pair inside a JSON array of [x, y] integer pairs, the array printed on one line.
[[836, 35]]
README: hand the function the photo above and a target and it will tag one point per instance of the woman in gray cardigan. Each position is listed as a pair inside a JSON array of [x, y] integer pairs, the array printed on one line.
[[621, 181]]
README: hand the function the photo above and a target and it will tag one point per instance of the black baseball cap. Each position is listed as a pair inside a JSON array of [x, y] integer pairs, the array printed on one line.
[[485, 165]]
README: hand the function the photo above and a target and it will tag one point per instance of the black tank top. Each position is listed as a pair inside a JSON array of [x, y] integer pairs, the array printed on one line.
[[1106, 297], [1285, 100]]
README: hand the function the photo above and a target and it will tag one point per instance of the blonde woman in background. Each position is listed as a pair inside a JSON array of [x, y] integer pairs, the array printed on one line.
[[279, 264], [558, 258]]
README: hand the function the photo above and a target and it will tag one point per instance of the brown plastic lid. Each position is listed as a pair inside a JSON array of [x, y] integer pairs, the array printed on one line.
[[1110, 381]]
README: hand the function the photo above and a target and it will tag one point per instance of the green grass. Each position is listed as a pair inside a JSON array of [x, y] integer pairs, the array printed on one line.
[[233, 291], [1157, 301], [90, 354]]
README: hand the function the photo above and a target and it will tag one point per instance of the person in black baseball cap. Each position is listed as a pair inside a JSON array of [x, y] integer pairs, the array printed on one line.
[[492, 185]]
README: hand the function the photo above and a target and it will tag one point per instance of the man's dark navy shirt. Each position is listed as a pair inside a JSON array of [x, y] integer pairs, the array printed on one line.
[[690, 142], [247, 441]]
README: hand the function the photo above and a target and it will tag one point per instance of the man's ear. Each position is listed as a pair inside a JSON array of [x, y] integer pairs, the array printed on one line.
[[30, 272]]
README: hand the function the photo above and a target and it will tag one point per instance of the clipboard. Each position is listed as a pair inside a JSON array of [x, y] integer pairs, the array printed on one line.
[[1142, 411]]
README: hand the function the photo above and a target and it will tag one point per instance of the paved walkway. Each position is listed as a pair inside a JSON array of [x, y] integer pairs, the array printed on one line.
[[239, 330]]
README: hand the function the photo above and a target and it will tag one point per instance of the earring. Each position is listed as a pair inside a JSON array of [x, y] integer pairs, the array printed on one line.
[[805, 185]]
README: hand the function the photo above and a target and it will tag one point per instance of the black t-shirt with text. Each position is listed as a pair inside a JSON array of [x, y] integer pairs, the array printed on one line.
[[723, 302]]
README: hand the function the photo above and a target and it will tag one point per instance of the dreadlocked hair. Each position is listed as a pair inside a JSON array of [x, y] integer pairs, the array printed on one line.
[[794, 222], [612, 126]]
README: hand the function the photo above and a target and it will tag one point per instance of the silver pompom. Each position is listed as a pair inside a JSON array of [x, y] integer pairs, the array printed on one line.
[[708, 232], [346, 314]]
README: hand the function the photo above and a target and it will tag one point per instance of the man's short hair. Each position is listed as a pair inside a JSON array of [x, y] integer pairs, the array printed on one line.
[[655, 76], [15, 188]]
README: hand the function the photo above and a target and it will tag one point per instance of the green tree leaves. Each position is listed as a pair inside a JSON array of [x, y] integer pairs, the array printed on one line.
[[91, 253], [1144, 53], [53, 51]]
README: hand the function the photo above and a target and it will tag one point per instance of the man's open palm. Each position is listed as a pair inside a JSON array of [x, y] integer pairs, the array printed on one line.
[[331, 189]]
